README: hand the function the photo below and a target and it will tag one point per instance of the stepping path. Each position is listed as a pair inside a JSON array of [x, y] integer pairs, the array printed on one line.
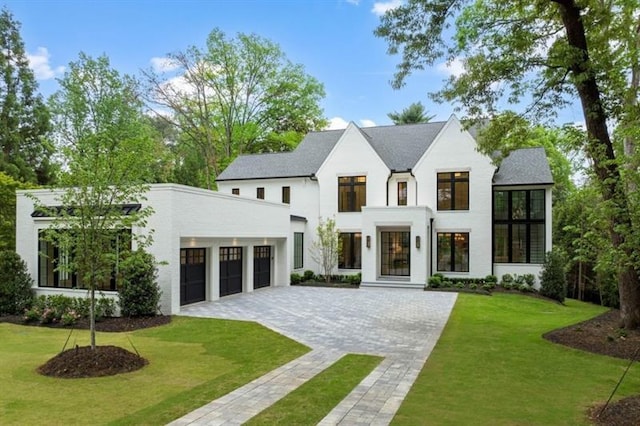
[[401, 325]]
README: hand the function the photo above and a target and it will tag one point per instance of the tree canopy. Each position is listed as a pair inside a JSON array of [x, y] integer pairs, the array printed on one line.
[[413, 114], [24, 120], [237, 95]]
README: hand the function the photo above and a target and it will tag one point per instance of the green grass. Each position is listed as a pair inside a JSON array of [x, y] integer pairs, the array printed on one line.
[[492, 367], [312, 401], [192, 362]]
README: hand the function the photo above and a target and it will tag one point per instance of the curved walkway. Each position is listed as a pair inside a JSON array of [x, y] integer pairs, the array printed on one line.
[[401, 325]]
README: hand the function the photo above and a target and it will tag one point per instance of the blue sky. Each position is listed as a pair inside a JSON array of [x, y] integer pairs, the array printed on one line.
[[333, 39]]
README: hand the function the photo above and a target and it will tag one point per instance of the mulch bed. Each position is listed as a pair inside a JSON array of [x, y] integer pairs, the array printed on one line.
[[325, 284], [603, 335], [111, 324]]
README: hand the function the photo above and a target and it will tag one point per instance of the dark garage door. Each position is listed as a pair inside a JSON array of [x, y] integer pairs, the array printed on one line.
[[261, 266], [192, 275], [230, 270]]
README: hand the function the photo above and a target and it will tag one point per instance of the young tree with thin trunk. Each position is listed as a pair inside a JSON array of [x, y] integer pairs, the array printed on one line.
[[107, 148], [546, 53], [326, 249]]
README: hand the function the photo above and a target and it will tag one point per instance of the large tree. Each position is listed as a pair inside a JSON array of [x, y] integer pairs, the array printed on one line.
[[107, 147], [413, 114], [235, 96], [546, 53], [24, 121]]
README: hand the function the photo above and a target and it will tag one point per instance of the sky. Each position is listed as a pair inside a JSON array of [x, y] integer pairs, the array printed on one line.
[[332, 39]]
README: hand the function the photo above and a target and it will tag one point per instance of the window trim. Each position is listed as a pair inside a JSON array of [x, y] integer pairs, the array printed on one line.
[[452, 180], [452, 248]]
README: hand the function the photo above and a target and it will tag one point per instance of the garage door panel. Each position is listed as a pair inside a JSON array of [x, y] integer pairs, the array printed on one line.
[[192, 275], [230, 270], [261, 266]]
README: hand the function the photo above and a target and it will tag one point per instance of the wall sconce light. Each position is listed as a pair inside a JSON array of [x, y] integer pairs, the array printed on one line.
[[418, 241], [368, 241]]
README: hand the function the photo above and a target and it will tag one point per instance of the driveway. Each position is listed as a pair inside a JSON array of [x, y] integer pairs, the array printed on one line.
[[401, 325]]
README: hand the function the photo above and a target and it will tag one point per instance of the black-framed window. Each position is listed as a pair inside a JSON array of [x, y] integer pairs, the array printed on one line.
[[453, 191], [519, 226], [352, 193], [286, 194], [402, 193], [260, 193], [453, 251], [395, 253], [235, 191], [298, 250], [55, 262], [351, 253]]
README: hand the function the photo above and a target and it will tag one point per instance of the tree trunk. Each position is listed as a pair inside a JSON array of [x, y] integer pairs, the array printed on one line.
[[600, 149], [92, 317]]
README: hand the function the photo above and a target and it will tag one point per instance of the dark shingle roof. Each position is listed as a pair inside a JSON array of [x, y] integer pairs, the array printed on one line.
[[400, 147], [526, 166]]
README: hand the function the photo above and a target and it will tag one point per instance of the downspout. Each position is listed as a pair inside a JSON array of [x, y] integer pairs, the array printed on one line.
[[431, 247], [416, 181], [391, 172]]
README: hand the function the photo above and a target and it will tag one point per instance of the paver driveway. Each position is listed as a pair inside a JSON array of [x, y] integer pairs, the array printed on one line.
[[401, 325]]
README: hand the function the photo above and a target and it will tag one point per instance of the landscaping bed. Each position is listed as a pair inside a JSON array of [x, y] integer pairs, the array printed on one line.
[[109, 324]]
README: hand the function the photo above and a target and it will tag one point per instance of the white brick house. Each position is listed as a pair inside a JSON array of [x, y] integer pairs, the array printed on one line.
[[409, 201]]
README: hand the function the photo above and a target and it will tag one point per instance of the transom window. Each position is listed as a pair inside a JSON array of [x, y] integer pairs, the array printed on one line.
[[519, 226], [395, 253], [402, 193], [453, 251], [352, 193], [453, 191], [351, 254]]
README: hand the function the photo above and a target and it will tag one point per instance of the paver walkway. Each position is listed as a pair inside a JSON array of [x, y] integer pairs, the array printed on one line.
[[401, 325]]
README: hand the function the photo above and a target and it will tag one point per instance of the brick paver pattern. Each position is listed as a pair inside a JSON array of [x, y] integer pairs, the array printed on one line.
[[402, 325]]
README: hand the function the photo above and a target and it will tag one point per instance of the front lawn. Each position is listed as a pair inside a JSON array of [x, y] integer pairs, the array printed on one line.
[[192, 362], [492, 367]]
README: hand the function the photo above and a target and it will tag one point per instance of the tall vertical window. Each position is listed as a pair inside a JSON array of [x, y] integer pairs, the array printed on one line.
[[453, 191], [352, 193], [395, 253], [351, 254], [260, 193], [235, 191], [453, 251], [286, 194], [519, 226], [298, 250], [402, 193]]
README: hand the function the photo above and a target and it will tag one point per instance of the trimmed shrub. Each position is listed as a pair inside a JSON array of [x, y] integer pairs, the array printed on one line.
[[491, 279], [507, 279], [139, 293], [530, 279], [435, 281], [295, 278], [473, 286], [354, 279], [309, 275], [16, 293], [488, 286], [553, 282]]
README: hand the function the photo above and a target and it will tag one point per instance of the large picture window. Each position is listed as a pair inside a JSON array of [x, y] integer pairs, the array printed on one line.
[[453, 191], [453, 251], [352, 193], [351, 254], [519, 226], [395, 253], [55, 263], [298, 250]]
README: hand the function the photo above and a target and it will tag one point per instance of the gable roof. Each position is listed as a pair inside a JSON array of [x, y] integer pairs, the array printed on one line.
[[525, 166], [399, 147]]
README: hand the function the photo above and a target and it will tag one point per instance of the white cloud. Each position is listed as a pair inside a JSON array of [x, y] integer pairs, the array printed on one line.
[[163, 64], [39, 63], [453, 68], [337, 123], [382, 7], [367, 123]]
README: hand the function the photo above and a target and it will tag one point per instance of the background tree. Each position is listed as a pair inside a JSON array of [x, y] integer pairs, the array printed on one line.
[[413, 114], [547, 53], [24, 119], [107, 146], [326, 249], [8, 187], [235, 96]]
